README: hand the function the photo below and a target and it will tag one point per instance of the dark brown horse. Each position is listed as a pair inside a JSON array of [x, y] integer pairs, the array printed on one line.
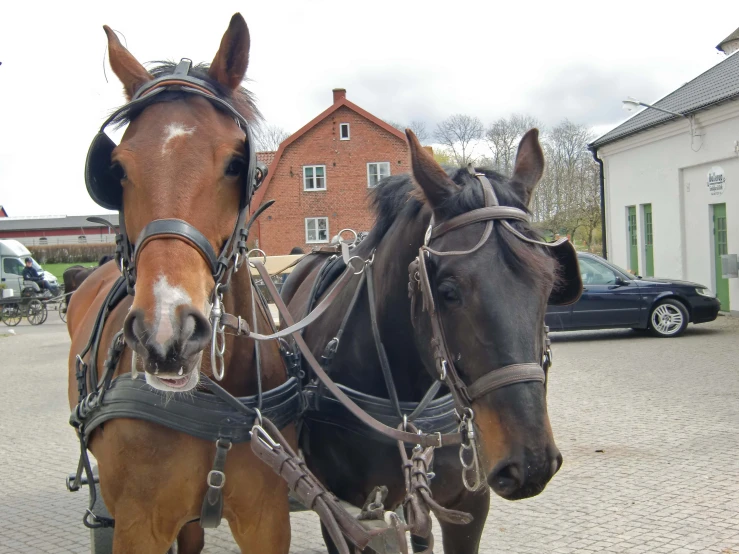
[[491, 303], [181, 158], [74, 275]]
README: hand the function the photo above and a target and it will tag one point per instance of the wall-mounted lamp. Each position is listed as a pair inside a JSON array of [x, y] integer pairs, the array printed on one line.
[[631, 104]]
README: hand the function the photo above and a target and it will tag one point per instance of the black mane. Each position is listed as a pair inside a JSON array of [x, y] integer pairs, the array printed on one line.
[[396, 197], [241, 100]]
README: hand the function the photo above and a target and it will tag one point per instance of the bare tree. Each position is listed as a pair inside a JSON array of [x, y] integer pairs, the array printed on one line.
[[418, 128], [503, 136], [568, 197], [270, 137], [459, 134]]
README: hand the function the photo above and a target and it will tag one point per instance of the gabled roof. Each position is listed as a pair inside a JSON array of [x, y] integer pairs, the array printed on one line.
[[718, 84], [3, 213], [259, 195]]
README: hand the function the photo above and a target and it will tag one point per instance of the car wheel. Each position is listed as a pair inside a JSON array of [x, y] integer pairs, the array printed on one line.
[[669, 318]]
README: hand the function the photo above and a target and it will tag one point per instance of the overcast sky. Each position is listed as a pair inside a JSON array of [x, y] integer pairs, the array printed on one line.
[[400, 60]]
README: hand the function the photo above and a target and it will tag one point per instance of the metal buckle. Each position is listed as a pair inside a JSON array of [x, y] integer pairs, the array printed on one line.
[[220, 475]]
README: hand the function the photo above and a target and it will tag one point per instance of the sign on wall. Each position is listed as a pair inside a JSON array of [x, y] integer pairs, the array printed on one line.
[[716, 181]]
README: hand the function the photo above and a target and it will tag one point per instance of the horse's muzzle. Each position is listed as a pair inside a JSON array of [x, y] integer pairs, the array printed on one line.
[[525, 475], [169, 354]]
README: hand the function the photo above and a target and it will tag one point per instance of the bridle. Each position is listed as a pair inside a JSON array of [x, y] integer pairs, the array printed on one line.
[[107, 191], [465, 395], [420, 281]]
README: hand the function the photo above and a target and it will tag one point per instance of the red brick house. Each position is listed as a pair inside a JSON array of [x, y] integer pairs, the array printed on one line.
[[321, 176]]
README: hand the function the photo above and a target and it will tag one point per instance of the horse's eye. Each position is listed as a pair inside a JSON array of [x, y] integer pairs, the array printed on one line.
[[117, 171], [449, 292], [235, 167]]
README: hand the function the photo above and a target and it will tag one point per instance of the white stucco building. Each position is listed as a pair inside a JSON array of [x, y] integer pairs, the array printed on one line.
[[671, 184]]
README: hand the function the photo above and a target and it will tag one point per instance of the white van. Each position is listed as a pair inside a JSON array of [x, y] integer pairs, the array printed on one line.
[[12, 262]]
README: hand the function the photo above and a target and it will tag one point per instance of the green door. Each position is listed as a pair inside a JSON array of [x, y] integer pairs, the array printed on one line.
[[648, 241], [633, 250], [721, 247]]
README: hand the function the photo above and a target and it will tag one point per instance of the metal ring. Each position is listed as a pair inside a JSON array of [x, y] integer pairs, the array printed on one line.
[[349, 261], [353, 232], [264, 256]]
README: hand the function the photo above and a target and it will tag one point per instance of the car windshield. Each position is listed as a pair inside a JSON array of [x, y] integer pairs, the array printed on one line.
[[622, 270], [595, 271]]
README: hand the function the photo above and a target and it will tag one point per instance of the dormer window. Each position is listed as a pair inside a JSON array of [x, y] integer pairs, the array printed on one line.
[[344, 131]]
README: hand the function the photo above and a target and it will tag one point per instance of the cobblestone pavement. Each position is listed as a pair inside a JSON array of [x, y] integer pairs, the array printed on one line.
[[649, 430]]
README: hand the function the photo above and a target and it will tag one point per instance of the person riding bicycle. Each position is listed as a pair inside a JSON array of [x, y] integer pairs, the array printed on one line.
[[30, 274]]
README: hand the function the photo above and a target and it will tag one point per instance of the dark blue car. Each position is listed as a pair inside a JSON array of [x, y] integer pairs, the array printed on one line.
[[613, 298]]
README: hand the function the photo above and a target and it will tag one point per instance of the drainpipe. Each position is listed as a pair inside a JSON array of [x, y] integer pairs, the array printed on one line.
[[594, 151]]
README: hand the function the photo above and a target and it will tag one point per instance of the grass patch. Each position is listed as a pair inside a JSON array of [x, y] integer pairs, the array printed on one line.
[[58, 269]]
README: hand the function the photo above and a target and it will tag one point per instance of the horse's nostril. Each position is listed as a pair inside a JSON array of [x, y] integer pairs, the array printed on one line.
[[195, 331], [556, 464], [506, 480], [134, 329]]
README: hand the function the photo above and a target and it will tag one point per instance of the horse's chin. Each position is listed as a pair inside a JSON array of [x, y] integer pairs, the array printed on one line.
[[174, 384]]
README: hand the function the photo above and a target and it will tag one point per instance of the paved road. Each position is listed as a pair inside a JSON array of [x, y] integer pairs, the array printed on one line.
[[649, 430]]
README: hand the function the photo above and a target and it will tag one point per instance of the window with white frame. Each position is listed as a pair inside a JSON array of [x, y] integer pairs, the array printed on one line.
[[316, 229], [377, 171], [314, 177], [344, 131]]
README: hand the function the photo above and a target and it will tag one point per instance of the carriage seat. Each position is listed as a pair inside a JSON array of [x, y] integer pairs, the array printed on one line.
[[33, 285]]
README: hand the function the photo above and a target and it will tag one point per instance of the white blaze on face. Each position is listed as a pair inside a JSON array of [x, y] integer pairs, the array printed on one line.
[[167, 299], [174, 130]]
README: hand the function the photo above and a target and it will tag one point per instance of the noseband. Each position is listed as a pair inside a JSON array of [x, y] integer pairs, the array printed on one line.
[[464, 395]]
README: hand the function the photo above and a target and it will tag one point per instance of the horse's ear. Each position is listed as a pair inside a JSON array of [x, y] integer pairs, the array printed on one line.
[[529, 165], [433, 180], [127, 68], [232, 58]]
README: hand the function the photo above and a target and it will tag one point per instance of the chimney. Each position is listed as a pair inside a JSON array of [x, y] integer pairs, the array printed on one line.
[[339, 95]]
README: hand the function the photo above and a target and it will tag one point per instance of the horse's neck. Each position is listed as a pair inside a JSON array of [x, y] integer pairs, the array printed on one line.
[[240, 361], [390, 270]]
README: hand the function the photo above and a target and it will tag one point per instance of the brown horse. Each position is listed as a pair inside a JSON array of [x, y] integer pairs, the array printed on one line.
[[181, 158], [490, 286]]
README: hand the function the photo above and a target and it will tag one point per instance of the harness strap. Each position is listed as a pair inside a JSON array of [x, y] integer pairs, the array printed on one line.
[[504, 376], [478, 216], [333, 345], [237, 324], [381, 354], [436, 440], [212, 511]]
